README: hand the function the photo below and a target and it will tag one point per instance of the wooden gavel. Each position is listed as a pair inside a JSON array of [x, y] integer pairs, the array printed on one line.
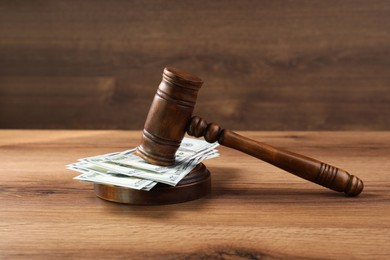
[[170, 116]]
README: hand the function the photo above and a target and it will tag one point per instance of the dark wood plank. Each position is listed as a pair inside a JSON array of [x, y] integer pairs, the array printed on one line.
[[254, 211], [305, 65]]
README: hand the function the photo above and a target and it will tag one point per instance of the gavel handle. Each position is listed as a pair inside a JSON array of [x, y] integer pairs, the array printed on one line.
[[307, 168]]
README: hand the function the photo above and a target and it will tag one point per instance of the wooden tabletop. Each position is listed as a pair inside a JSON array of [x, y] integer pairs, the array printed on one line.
[[255, 210]]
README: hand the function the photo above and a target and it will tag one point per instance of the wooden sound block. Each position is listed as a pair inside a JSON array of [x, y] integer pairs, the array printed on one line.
[[193, 186]]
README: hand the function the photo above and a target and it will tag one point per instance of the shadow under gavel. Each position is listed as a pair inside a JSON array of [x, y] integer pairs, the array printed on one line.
[[170, 117]]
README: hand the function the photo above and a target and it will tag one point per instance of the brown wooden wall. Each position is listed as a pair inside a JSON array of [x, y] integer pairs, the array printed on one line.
[[267, 65]]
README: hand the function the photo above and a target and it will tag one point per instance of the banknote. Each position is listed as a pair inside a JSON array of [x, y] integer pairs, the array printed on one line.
[[132, 160], [126, 169], [171, 177], [93, 173], [189, 149]]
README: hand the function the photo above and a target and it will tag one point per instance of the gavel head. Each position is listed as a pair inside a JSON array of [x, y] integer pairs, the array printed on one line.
[[168, 116]]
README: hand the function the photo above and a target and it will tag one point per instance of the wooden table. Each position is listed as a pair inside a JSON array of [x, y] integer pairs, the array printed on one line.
[[255, 210]]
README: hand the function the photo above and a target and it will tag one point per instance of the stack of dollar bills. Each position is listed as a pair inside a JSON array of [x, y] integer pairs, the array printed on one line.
[[126, 169]]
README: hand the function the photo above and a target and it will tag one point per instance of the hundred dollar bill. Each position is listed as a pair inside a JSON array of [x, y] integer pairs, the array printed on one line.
[[97, 174], [128, 170], [93, 173], [133, 160], [171, 177], [189, 149], [183, 169]]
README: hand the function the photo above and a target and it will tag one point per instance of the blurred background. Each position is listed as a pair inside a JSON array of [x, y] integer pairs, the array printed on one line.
[[267, 65]]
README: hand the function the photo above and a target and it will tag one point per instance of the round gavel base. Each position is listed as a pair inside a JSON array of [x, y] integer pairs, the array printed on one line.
[[194, 186]]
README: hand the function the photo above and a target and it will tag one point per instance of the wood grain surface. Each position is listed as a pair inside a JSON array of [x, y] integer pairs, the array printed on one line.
[[255, 211], [267, 65]]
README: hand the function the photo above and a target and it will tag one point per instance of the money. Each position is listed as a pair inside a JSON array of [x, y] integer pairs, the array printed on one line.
[[189, 149], [126, 169], [93, 173], [171, 177]]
